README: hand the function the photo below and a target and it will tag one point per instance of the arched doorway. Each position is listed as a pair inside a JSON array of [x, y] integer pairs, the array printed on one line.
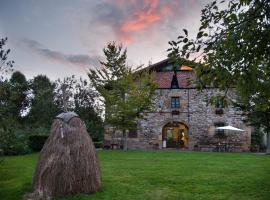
[[175, 135]]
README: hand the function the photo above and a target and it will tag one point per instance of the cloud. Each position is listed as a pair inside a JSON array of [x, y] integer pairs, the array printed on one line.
[[128, 19], [143, 26], [74, 60]]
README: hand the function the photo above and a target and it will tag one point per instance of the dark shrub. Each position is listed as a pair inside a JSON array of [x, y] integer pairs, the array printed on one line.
[[98, 145], [13, 142], [36, 142]]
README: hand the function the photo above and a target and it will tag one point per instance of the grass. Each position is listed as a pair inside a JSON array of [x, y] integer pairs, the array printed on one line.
[[158, 175]]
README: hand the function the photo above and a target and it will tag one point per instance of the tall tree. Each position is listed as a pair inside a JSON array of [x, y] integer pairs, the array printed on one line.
[[43, 109], [85, 106], [15, 95], [76, 95], [64, 94], [13, 104], [232, 50], [126, 94]]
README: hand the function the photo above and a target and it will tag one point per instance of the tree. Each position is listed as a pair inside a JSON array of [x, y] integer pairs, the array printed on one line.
[[64, 93], [13, 104], [76, 95], [85, 106], [126, 93], [232, 51], [5, 64], [43, 109], [14, 96]]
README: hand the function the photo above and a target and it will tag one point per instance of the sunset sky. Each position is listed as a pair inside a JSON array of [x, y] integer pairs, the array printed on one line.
[[63, 37]]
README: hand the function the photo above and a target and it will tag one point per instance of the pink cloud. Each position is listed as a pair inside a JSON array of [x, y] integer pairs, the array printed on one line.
[[142, 19]]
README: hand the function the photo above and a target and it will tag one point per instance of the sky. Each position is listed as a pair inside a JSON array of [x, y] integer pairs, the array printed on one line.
[[64, 37]]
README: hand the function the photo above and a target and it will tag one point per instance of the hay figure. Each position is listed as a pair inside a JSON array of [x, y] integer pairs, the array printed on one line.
[[67, 163]]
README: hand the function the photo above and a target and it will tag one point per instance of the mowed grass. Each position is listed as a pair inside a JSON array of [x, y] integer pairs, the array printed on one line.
[[158, 175]]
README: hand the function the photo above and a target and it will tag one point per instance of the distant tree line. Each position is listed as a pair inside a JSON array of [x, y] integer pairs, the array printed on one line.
[[28, 107]]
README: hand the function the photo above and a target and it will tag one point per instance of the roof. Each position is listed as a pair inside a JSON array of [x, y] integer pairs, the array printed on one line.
[[164, 74], [166, 65], [164, 79]]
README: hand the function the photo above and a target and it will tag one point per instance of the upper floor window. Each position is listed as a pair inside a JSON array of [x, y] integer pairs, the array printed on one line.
[[175, 102], [220, 104], [174, 83]]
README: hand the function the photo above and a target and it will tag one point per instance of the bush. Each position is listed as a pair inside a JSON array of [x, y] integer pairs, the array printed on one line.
[[98, 145], [257, 140], [36, 142], [13, 142]]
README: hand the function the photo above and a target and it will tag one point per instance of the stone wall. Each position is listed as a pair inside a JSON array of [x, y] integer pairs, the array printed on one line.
[[197, 115]]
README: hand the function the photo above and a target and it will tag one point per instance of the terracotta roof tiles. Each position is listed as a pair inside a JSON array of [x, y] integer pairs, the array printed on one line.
[[164, 79]]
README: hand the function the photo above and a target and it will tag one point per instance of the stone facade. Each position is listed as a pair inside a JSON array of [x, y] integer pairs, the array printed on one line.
[[199, 118]]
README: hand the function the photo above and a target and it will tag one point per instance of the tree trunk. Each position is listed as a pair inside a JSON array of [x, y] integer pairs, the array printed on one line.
[[125, 140], [268, 144]]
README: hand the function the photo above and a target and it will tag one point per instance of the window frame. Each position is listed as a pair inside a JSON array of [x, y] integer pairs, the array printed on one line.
[[175, 102], [220, 104]]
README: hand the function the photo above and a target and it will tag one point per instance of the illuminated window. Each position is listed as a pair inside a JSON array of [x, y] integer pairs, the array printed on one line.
[[175, 102]]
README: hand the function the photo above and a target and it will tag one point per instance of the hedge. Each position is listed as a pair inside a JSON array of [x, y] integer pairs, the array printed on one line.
[[36, 142]]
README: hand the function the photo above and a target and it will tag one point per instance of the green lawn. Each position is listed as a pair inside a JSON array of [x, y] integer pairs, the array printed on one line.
[[159, 175]]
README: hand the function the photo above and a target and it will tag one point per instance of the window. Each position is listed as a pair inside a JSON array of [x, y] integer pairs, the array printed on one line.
[[219, 104], [219, 132], [174, 83], [175, 102]]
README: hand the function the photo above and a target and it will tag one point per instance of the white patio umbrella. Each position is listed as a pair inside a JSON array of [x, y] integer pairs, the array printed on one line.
[[229, 128]]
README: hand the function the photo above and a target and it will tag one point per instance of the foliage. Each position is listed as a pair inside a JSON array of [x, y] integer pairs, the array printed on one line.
[[76, 95], [64, 93], [43, 109], [36, 142], [232, 51], [13, 96], [158, 175], [6, 65], [87, 108], [98, 145], [19, 91], [14, 141], [126, 94], [257, 139], [13, 102]]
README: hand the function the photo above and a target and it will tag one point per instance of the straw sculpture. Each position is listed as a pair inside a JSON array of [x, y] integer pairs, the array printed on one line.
[[67, 163]]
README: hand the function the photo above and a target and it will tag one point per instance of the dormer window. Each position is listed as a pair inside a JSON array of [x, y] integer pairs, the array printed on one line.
[[175, 102], [174, 83]]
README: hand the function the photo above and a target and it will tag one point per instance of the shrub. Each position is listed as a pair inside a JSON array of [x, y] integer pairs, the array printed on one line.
[[36, 142], [257, 140], [98, 145], [13, 142]]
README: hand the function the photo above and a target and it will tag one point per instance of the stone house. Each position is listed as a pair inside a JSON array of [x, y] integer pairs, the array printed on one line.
[[182, 118]]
